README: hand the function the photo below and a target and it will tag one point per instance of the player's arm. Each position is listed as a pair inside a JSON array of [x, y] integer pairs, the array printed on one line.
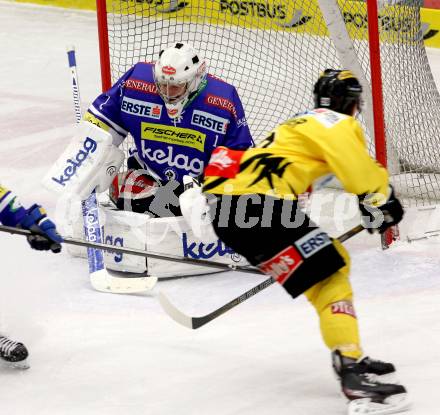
[[347, 156], [11, 211], [44, 233], [92, 159], [344, 150], [105, 110]]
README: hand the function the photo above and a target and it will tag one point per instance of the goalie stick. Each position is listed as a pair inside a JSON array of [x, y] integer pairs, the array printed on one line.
[[101, 279], [147, 254], [196, 322]]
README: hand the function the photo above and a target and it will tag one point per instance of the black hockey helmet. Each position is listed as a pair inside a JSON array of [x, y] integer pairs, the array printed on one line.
[[338, 90]]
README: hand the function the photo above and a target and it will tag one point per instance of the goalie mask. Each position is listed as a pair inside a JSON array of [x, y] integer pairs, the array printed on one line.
[[179, 74], [338, 90]]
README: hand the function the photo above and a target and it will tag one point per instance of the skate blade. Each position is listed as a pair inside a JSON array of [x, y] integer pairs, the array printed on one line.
[[392, 405], [23, 365]]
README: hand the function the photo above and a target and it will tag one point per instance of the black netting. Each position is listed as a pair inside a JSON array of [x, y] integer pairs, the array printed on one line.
[[273, 52]]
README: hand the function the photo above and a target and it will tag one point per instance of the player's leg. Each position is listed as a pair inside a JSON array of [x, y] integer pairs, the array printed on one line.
[[333, 301], [303, 259]]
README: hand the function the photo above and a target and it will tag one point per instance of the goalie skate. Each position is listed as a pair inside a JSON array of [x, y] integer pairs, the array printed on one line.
[[392, 405], [13, 354]]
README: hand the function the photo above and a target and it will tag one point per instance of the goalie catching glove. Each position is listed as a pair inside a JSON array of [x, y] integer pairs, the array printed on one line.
[[377, 216]]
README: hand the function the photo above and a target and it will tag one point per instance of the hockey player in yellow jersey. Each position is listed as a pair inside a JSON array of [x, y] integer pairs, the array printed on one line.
[[256, 195]]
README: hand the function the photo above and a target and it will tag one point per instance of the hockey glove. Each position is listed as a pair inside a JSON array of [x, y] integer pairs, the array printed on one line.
[[195, 210], [44, 233], [380, 218]]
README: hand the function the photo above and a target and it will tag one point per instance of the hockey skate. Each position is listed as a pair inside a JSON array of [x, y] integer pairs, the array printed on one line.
[[375, 370], [13, 354], [361, 386]]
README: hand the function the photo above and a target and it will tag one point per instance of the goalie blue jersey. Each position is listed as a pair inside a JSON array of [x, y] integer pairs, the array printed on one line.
[[171, 148], [11, 211]]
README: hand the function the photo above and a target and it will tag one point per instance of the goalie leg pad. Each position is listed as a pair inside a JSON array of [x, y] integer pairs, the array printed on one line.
[[173, 236], [162, 236], [125, 229]]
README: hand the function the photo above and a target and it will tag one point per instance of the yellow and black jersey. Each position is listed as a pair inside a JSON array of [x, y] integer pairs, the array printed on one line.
[[296, 154]]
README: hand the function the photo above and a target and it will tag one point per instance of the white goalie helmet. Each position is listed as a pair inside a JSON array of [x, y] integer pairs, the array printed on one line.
[[178, 74]]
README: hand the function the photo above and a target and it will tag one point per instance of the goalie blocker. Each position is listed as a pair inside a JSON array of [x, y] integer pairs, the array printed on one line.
[[90, 162]]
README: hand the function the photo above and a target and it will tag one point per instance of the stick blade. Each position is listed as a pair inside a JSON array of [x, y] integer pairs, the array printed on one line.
[[109, 281], [174, 312]]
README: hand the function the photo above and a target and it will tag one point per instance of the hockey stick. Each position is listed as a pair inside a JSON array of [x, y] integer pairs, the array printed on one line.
[[100, 278], [196, 322], [75, 86], [145, 254]]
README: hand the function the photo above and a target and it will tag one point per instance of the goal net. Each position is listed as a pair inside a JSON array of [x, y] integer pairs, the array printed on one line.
[[272, 51]]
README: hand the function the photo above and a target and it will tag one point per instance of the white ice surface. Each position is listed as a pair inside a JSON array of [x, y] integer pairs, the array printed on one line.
[[94, 353]]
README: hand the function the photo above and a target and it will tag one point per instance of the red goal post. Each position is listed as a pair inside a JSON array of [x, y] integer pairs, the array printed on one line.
[[104, 49]]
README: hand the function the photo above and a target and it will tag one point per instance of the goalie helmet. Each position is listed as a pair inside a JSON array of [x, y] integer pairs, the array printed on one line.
[[178, 73], [338, 90]]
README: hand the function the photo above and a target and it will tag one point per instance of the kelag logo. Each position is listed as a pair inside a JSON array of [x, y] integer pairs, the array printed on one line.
[[91, 224], [205, 251], [172, 158], [115, 241], [74, 163]]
